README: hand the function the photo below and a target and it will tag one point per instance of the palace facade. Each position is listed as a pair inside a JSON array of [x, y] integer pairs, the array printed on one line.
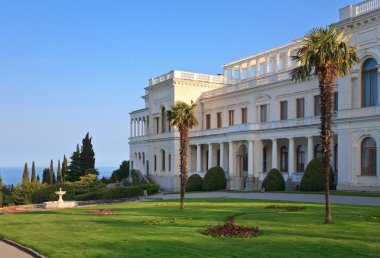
[[253, 117]]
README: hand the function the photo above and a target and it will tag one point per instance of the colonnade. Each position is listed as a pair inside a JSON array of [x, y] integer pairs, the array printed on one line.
[[139, 126]]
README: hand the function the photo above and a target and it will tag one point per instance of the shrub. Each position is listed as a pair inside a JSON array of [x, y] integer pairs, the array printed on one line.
[[214, 180], [24, 194], [274, 181], [121, 173], [47, 192], [314, 178], [86, 184], [194, 183], [111, 193], [151, 188]]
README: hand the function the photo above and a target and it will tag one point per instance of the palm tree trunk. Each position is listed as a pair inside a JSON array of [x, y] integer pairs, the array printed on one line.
[[327, 79], [184, 138]]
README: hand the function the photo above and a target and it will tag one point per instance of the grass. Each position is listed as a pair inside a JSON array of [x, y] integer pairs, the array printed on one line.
[[161, 229], [332, 192]]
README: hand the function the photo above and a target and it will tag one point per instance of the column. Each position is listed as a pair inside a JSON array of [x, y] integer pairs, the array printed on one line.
[[199, 159], [355, 92], [138, 127], [231, 159], [131, 128], [310, 148], [250, 158], [134, 127], [258, 158], [274, 153], [210, 165], [221, 155], [378, 91], [291, 157]]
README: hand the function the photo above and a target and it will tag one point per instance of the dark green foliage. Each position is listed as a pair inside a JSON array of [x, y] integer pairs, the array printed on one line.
[[38, 178], [314, 178], [194, 183], [1, 192], [33, 179], [25, 176], [135, 177], [59, 173], [52, 174], [87, 183], [111, 193], [87, 154], [151, 188], [75, 168], [24, 194], [120, 173], [46, 176], [274, 181], [214, 180], [64, 167], [45, 193]]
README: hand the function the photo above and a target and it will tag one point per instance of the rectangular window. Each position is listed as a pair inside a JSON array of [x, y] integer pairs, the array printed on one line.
[[335, 102], [263, 113], [244, 115], [284, 110], [170, 162], [155, 162], [317, 106], [208, 121], [156, 122], [300, 107], [219, 119], [231, 117]]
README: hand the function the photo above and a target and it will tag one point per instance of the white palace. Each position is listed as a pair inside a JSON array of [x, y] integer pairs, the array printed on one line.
[[254, 118]]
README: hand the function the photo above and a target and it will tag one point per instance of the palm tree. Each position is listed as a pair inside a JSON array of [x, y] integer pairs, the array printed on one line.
[[182, 115], [327, 55]]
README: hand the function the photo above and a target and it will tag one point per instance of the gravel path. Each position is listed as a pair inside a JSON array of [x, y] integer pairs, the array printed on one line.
[[316, 198]]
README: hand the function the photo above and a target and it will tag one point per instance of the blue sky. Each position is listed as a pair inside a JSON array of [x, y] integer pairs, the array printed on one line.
[[75, 66]]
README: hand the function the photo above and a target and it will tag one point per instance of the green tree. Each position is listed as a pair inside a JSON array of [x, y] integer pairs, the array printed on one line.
[[75, 168], [183, 117], [64, 167], [326, 54], [38, 179], [33, 179], [87, 155], [1, 192], [52, 174], [46, 176], [120, 173], [25, 176], [59, 173]]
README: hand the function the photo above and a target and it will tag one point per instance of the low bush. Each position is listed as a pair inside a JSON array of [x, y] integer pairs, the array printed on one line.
[[214, 180], [46, 193], [314, 178], [274, 181], [194, 183], [111, 193], [151, 188]]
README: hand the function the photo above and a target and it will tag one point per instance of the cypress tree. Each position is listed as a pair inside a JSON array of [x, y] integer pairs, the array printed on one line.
[[64, 167], [75, 168], [59, 174], [87, 155], [33, 179], [46, 176], [52, 175], [25, 176]]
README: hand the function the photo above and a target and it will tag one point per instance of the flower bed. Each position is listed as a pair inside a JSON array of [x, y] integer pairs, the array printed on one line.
[[230, 229], [14, 209], [103, 212]]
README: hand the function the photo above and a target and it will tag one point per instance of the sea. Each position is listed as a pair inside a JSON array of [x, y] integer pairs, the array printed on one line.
[[13, 175]]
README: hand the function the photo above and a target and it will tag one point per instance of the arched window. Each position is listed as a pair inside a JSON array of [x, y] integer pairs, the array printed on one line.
[[264, 160], [245, 158], [368, 153], [162, 160], [369, 83], [163, 120], [318, 151], [284, 159], [155, 162], [336, 159], [218, 158], [300, 158], [139, 155], [143, 158]]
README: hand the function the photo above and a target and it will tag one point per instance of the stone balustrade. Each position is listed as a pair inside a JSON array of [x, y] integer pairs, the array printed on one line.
[[188, 76], [358, 9]]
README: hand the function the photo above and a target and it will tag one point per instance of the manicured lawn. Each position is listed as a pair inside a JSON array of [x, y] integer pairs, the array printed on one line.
[[332, 192], [160, 229]]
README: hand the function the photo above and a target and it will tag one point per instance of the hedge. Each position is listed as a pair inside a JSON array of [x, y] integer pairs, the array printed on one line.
[[194, 183], [214, 180], [151, 188], [314, 178], [274, 181], [111, 193]]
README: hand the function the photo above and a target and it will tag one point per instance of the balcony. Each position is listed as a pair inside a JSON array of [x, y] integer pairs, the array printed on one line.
[[354, 10], [188, 76]]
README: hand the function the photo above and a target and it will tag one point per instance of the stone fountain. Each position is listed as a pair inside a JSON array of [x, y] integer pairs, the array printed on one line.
[[60, 203]]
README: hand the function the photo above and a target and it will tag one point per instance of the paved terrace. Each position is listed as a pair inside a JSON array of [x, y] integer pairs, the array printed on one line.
[[315, 198]]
